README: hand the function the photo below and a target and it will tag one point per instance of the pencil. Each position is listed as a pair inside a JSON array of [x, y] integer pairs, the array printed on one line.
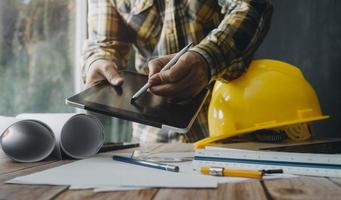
[[220, 171]]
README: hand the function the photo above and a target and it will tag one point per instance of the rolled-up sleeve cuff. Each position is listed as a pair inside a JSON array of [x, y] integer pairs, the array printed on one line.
[[210, 62]]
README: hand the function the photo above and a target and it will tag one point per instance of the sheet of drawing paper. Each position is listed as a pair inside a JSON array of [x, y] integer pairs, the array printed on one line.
[[102, 173]]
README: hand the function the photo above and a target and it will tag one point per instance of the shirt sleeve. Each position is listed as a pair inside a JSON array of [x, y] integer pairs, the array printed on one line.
[[108, 36], [229, 47]]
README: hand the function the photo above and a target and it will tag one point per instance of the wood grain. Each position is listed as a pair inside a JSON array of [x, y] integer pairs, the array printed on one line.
[[7, 165], [337, 181], [169, 194], [303, 188], [127, 195], [240, 191], [295, 188], [16, 191]]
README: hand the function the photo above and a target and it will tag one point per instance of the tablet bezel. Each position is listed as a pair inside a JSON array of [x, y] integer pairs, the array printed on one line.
[[79, 101]]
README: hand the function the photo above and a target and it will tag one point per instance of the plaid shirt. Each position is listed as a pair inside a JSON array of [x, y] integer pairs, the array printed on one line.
[[225, 32]]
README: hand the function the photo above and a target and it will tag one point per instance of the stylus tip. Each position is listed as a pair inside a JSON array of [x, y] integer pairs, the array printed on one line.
[[132, 100]]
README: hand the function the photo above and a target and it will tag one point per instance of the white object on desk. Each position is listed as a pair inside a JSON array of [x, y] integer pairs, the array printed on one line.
[[103, 173], [292, 163]]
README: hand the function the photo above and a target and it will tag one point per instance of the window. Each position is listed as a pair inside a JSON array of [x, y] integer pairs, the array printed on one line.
[[37, 55], [40, 44]]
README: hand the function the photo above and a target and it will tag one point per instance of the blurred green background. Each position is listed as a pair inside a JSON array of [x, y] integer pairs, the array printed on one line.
[[37, 44]]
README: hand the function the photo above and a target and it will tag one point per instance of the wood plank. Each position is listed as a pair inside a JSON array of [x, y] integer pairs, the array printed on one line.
[[248, 190], [16, 191], [8, 166], [126, 195], [303, 188], [168, 194], [240, 191], [337, 181]]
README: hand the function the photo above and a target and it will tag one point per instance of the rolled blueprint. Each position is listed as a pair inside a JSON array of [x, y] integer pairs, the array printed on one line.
[[33, 137], [28, 141]]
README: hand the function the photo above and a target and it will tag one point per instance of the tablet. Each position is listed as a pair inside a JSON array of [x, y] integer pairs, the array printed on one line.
[[149, 109]]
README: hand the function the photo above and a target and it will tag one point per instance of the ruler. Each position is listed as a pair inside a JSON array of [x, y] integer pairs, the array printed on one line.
[[292, 163]]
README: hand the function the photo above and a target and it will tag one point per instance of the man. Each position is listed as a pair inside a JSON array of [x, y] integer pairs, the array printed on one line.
[[225, 34]]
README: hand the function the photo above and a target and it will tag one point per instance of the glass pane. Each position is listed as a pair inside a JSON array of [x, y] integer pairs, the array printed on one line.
[[36, 55]]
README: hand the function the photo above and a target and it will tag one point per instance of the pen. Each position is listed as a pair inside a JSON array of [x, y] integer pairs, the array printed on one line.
[[220, 171], [166, 67], [155, 165]]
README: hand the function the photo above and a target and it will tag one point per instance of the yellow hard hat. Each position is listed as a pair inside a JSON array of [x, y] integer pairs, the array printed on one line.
[[270, 94]]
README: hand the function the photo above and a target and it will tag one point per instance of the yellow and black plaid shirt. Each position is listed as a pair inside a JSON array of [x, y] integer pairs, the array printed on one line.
[[225, 32]]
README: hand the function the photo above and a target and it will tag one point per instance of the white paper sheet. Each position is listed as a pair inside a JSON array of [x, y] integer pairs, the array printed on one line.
[[105, 174], [102, 171]]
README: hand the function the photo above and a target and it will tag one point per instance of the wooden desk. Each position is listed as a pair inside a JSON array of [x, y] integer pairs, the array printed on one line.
[[295, 188]]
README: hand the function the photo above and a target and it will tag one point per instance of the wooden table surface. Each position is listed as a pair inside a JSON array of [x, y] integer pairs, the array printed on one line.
[[293, 188]]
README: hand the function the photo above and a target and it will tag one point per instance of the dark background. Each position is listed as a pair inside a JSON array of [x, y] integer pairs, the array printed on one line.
[[307, 34]]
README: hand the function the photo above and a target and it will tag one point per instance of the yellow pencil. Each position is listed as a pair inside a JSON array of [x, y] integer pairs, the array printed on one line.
[[220, 171]]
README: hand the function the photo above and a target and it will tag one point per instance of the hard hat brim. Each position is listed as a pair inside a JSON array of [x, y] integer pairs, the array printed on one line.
[[202, 143]]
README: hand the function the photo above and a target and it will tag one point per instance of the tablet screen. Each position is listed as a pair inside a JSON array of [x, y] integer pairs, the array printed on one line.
[[149, 109]]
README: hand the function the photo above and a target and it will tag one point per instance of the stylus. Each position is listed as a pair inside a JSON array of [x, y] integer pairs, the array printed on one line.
[[166, 67]]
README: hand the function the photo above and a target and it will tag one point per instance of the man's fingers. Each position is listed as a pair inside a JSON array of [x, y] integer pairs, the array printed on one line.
[[155, 65], [93, 79], [174, 89], [155, 79], [112, 75], [103, 70], [175, 73]]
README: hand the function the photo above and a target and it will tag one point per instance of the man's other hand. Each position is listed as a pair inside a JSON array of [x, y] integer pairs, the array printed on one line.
[[103, 70], [183, 80]]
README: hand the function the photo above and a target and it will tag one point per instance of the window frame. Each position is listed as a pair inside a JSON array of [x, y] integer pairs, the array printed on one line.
[[80, 36]]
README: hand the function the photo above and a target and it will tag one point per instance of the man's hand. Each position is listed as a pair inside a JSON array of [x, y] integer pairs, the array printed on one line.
[[103, 70], [183, 80]]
